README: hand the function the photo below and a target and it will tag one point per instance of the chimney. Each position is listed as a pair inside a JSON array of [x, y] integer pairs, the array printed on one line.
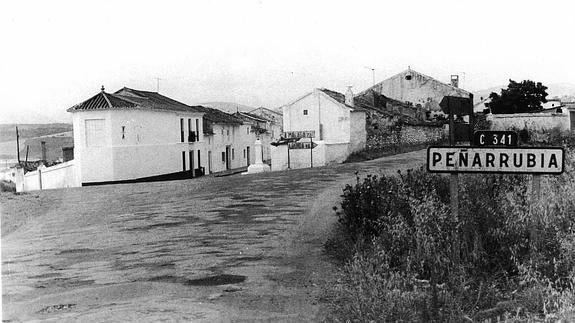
[[43, 143], [349, 97], [455, 80]]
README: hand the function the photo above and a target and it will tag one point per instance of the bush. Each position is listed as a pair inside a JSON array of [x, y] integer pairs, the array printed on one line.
[[504, 246], [6, 186]]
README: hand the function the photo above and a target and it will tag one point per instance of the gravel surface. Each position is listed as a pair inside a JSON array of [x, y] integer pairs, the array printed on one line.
[[241, 248]]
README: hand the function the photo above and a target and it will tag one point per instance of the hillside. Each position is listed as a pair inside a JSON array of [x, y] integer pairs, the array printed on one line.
[[8, 131]]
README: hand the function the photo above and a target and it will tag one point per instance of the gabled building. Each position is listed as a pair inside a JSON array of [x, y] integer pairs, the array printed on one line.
[[338, 124], [418, 89], [133, 135]]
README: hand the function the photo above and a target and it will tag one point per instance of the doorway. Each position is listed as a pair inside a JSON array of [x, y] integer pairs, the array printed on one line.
[[209, 162], [228, 164], [248, 153]]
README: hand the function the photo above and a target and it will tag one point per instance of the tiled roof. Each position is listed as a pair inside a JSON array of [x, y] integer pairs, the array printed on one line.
[[217, 116], [127, 98], [103, 100], [252, 116], [154, 100], [341, 99]]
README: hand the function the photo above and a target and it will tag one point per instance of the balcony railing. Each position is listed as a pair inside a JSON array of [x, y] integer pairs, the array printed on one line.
[[192, 136]]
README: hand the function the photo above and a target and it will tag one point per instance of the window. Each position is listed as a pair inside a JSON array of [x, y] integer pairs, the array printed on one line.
[[123, 132], [95, 132], [181, 130], [233, 154], [248, 130], [197, 130], [223, 156], [244, 153], [190, 134], [228, 132], [305, 112]]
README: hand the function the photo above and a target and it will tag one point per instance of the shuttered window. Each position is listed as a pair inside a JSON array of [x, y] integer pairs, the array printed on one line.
[[95, 132]]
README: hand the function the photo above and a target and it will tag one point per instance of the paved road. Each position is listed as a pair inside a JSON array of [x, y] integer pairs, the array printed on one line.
[[238, 248]]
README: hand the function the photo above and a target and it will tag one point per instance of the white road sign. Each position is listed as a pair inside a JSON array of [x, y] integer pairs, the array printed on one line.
[[525, 160], [298, 134]]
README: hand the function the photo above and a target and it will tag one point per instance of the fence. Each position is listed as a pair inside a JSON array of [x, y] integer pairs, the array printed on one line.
[[59, 176]]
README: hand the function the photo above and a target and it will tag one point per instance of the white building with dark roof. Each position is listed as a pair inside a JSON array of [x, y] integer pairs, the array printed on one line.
[[338, 124], [133, 135]]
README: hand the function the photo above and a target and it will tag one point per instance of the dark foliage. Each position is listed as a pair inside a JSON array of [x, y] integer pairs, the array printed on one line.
[[522, 97]]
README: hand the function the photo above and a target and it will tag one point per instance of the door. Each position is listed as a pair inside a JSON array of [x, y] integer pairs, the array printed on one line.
[[199, 163], [248, 153], [209, 162], [572, 117], [192, 168], [228, 157]]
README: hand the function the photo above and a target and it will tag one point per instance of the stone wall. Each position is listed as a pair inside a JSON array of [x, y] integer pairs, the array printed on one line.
[[405, 135]]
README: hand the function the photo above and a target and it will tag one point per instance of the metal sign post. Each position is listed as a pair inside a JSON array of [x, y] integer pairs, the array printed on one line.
[[300, 145], [311, 152]]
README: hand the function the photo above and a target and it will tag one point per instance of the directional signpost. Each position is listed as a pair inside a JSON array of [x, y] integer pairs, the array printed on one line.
[[300, 145], [495, 152]]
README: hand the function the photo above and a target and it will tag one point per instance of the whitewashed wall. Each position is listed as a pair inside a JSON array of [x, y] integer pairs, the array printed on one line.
[[531, 121], [63, 175], [335, 119], [323, 154], [358, 133], [150, 144]]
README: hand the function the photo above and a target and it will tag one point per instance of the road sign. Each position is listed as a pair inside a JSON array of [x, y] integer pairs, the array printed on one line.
[[495, 138], [524, 160], [302, 145], [456, 105], [298, 134]]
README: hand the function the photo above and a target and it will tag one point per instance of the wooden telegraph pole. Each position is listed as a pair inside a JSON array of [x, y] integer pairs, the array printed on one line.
[[18, 145], [453, 184]]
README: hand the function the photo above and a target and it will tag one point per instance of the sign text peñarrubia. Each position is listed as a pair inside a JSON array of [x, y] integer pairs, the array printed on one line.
[[524, 160]]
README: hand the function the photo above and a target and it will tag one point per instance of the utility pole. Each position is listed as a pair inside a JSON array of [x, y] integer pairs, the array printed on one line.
[[158, 84], [372, 73], [18, 145]]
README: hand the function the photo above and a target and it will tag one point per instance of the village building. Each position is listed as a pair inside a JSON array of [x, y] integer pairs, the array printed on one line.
[[266, 130], [338, 125], [275, 117], [229, 141], [135, 135], [418, 90]]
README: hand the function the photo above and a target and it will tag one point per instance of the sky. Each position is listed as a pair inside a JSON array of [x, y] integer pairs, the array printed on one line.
[[54, 54]]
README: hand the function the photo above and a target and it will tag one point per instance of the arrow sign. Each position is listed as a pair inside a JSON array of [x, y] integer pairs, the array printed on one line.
[[302, 145], [456, 105]]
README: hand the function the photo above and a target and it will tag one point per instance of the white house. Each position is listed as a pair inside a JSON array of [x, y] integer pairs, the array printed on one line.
[[229, 142], [133, 135], [339, 129]]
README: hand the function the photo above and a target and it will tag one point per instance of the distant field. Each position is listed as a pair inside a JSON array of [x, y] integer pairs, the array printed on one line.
[[8, 131]]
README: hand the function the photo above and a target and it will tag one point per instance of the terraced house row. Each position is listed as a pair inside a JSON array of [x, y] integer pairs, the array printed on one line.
[[132, 135]]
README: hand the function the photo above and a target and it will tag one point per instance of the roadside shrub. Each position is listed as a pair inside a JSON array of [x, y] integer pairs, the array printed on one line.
[[6, 186], [507, 253]]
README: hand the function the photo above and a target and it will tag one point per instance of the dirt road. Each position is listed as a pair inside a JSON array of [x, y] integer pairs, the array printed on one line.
[[230, 249]]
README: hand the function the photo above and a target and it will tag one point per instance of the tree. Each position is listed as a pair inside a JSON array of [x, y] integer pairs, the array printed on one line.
[[523, 97]]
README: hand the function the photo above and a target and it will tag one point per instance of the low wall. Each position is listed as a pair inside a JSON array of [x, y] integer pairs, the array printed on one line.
[[323, 154], [59, 176], [406, 135], [530, 121]]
